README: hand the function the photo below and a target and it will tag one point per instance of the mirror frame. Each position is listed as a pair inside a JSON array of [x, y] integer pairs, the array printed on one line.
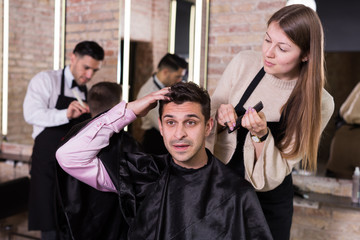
[[198, 31]]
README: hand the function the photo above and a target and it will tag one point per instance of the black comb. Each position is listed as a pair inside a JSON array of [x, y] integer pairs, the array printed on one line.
[[258, 107]]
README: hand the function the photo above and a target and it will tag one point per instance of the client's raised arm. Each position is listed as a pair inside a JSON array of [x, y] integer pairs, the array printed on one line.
[[78, 156]]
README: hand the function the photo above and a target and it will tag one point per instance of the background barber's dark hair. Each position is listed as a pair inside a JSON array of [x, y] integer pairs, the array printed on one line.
[[102, 96], [173, 62], [188, 92], [89, 48]]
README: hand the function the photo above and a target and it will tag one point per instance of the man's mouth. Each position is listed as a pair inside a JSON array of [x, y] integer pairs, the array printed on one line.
[[84, 80], [181, 146]]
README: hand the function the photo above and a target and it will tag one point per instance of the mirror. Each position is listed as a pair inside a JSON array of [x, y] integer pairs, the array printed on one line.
[[31, 44], [177, 26], [342, 57], [181, 28]]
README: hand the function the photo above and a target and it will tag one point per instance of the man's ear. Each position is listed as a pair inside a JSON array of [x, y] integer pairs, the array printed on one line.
[[165, 74], [72, 58], [209, 126], [72, 61], [160, 126]]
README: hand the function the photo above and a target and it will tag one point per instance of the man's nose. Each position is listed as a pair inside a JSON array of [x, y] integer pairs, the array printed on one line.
[[89, 73], [180, 132], [179, 79]]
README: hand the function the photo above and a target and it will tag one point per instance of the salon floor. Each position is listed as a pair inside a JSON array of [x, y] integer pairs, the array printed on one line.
[[319, 219], [321, 169], [300, 230], [16, 228], [16, 224]]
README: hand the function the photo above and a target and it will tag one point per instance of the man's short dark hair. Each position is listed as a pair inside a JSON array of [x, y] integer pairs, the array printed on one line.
[[103, 96], [89, 48], [182, 92], [172, 62]]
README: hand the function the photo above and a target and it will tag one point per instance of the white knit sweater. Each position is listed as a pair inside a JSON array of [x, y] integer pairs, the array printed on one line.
[[270, 169]]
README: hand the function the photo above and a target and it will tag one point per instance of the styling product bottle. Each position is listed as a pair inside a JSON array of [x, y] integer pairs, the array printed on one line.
[[356, 186]]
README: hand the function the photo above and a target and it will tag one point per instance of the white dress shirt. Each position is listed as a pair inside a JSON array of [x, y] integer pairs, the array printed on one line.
[[41, 97]]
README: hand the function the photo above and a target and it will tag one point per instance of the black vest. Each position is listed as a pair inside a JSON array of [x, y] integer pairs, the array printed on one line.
[[42, 185]]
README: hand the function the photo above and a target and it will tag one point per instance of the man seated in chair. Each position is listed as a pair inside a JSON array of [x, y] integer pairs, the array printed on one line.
[[186, 194], [86, 213]]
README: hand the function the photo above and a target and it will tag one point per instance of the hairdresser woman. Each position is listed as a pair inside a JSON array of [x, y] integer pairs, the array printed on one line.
[[288, 77]]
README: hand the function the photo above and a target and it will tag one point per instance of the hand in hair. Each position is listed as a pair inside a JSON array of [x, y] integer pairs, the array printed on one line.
[[142, 106]]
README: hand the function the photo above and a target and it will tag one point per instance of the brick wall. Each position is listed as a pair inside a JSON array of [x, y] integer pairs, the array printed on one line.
[[235, 25], [160, 25], [31, 42], [98, 21], [30, 51]]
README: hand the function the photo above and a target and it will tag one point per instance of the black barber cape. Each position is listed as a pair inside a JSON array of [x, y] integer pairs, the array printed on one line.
[[86, 212], [161, 200]]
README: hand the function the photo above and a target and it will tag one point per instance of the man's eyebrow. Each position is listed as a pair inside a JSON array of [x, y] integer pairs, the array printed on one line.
[[168, 116], [193, 115], [188, 116], [88, 67]]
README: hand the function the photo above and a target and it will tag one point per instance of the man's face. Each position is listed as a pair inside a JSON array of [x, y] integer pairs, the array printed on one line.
[[174, 76], [184, 131], [83, 68]]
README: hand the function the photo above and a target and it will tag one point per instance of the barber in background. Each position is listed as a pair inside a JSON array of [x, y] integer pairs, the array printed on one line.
[[171, 69], [54, 102]]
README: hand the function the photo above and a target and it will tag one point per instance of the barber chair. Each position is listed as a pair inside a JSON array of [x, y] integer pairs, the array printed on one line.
[[14, 196]]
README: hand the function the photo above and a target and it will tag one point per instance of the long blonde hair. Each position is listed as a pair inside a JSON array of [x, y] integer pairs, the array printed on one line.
[[302, 112]]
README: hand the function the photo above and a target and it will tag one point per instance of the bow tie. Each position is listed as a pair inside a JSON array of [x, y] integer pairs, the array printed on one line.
[[81, 88]]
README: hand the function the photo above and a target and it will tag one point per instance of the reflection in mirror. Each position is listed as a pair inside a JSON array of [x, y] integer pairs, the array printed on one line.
[[188, 36], [181, 23], [342, 56], [144, 40], [187, 25], [181, 32], [31, 49], [146, 36]]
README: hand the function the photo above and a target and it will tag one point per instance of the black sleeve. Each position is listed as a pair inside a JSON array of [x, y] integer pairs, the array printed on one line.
[[133, 172]]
